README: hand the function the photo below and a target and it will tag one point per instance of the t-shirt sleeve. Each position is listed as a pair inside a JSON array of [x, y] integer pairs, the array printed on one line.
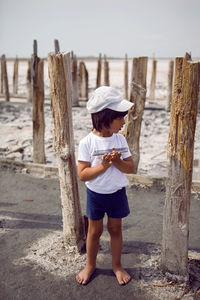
[[125, 145], [83, 151]]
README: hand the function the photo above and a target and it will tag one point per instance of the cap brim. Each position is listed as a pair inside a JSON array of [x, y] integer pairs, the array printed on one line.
[[122, 106]]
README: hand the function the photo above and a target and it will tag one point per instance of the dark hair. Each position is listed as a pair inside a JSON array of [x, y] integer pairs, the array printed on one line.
[[105, 117]]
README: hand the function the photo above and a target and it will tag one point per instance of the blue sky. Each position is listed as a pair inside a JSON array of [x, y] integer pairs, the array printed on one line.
[[89, 27]]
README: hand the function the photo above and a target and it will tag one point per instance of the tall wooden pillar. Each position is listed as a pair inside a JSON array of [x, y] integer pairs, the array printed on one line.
[[174, 258], [61, 104]]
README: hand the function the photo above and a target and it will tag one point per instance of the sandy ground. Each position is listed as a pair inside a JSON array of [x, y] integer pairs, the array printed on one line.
[[35, 265]]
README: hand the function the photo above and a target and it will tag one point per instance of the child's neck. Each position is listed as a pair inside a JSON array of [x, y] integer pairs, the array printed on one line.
[[103, 133]]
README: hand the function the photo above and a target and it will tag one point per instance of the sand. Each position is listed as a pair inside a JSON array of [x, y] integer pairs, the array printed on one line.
[[35, 265]]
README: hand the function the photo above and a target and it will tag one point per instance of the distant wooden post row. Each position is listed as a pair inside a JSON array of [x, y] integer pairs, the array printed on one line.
[[80, 79]]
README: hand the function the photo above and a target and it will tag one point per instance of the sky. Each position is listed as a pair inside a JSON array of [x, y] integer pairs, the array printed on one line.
[[160, 28]]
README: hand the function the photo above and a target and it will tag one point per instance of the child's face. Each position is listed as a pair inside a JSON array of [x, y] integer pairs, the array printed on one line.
[[116, 125]]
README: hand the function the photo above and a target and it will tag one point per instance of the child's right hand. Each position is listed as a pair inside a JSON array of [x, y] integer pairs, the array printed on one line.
[[107, 160]]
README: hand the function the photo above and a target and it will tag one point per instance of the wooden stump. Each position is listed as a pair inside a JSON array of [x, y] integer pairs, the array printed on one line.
[[170, 83], [153, 80], [61, 104], [126, 77], [15, 76], [99, 64], [74, 70], [174, 258], [138, 97], [83, 81], [5, 78], [37, 73]]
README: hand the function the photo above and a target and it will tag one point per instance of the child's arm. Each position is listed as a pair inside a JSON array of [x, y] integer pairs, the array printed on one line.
[[85, 172], [126, 165]]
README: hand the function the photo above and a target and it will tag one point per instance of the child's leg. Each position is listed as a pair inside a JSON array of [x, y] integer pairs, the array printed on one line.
[[115, 229], [95, 230]]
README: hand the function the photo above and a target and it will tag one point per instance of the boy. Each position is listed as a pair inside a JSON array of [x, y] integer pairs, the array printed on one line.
[[104, 177]]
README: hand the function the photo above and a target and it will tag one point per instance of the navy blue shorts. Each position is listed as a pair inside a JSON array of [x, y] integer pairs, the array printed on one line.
[[115, 205]]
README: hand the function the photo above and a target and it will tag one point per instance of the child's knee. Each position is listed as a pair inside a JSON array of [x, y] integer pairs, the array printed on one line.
[[114, 229], [94, 232]]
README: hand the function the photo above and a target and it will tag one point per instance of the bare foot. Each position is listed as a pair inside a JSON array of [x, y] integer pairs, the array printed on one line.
[[84, 276], [122, 276]]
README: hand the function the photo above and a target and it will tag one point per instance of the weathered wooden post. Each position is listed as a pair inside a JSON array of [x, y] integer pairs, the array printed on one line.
[[126, 77], [83, 81], [57, 46], [5, 78], [153, 80], [138, 97], [170, 83], [74, 68], [37, 74], [28, 83], [99, 64], [174, 257], [106, 72], [15, 76], [61, 103]]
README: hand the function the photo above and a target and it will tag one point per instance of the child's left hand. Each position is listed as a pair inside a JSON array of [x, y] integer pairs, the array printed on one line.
[[115, 155]]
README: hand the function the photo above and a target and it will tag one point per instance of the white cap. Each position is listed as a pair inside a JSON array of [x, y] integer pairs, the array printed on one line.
[[107, 97]]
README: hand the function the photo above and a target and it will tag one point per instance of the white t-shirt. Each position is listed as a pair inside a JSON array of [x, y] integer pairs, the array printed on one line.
[[112, 179]]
